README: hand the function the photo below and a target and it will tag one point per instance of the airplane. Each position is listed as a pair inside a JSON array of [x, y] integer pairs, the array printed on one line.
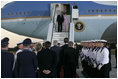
[[34, 18]]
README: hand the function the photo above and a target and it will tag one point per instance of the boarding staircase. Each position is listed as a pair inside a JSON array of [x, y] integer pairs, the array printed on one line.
[[59, 36]]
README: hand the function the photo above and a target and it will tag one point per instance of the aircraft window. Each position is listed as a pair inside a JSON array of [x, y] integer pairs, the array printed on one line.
[[92, 10], [97, 10], [16, 13], [12, 14], [101, 10], [24, 13], [114, 10], [88, 10], [105, 10], [19, 13], [8, 14], [109, 10]]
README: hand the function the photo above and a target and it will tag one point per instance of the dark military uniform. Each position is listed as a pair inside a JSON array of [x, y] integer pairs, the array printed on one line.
[[26, 64], [47, 61], [7, 60], [70, 62]]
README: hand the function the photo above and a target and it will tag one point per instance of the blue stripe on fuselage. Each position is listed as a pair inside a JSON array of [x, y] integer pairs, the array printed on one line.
[[42, 8]]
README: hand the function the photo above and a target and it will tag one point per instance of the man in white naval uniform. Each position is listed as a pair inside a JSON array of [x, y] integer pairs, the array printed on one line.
[[20, 48], [103, 60]]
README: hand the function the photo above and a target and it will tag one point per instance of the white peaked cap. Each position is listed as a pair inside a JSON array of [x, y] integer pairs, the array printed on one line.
[[19, 43]]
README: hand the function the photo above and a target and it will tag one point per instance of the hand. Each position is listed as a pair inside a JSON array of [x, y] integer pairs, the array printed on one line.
[[94, 65], [46, 71], [99, 67]]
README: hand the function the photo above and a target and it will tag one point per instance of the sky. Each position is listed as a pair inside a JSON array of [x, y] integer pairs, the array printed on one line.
[[14, 38]]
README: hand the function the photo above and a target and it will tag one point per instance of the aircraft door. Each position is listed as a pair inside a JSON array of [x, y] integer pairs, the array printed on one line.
[[64, 8]]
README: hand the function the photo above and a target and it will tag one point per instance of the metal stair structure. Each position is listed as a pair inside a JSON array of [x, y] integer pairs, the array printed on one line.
[[59, 36]]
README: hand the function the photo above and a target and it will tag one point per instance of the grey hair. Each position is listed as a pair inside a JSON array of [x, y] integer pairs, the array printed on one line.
[[55, 42]]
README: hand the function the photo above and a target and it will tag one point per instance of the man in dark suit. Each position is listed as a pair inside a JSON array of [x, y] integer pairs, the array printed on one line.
[[61, 56], [47, 62], [56, 49], [70, 61], [75, 6], [7, 60], [60, 20], [26, 63]]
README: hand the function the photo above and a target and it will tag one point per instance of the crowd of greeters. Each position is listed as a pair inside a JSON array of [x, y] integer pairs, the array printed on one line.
[[36, 60], [33, 59]]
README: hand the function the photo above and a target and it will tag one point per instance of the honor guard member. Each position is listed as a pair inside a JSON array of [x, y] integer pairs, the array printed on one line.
[[103, 60], [32, 46], [26, 63], [20, 48], [7, 59]]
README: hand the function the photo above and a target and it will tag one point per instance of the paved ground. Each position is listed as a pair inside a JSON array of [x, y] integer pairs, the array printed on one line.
[[113, 73]]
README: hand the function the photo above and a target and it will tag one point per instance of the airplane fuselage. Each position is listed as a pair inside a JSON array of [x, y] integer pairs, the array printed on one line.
[[33, 18]]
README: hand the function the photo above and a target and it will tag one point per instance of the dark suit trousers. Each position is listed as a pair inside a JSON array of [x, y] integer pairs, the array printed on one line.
[[69, 71], [59, 27]]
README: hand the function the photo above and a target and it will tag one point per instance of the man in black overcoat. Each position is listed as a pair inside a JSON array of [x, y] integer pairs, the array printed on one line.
[[70, 61], [47, 62], [61, 56]]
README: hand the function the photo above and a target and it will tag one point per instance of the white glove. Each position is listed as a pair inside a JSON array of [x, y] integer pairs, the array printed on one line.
[[99, 67], [94, 65]]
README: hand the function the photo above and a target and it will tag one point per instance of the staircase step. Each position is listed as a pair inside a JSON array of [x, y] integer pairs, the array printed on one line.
[[59, 36]]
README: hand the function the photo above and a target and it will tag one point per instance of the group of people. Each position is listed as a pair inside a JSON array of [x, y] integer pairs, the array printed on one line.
[[95, 59], [33, 60], [48, 61], [63, 20]]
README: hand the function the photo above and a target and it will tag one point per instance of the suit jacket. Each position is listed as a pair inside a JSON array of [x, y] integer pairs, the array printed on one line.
[[26, 64], [70, 56], [56, 49], [75, 7], [60, 18], [7, 60], [61, 57]]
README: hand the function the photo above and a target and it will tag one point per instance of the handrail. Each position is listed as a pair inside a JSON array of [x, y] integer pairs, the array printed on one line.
[[71, 29], [54, 12], [51, 26]]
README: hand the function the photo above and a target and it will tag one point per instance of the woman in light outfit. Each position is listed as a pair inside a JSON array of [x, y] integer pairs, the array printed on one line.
[[65, 22]]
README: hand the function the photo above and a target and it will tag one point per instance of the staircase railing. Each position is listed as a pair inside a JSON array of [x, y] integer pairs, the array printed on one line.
[[51, 26], [71, 30]]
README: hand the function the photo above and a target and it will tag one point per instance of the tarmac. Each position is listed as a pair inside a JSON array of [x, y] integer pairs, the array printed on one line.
[[113, 72]]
